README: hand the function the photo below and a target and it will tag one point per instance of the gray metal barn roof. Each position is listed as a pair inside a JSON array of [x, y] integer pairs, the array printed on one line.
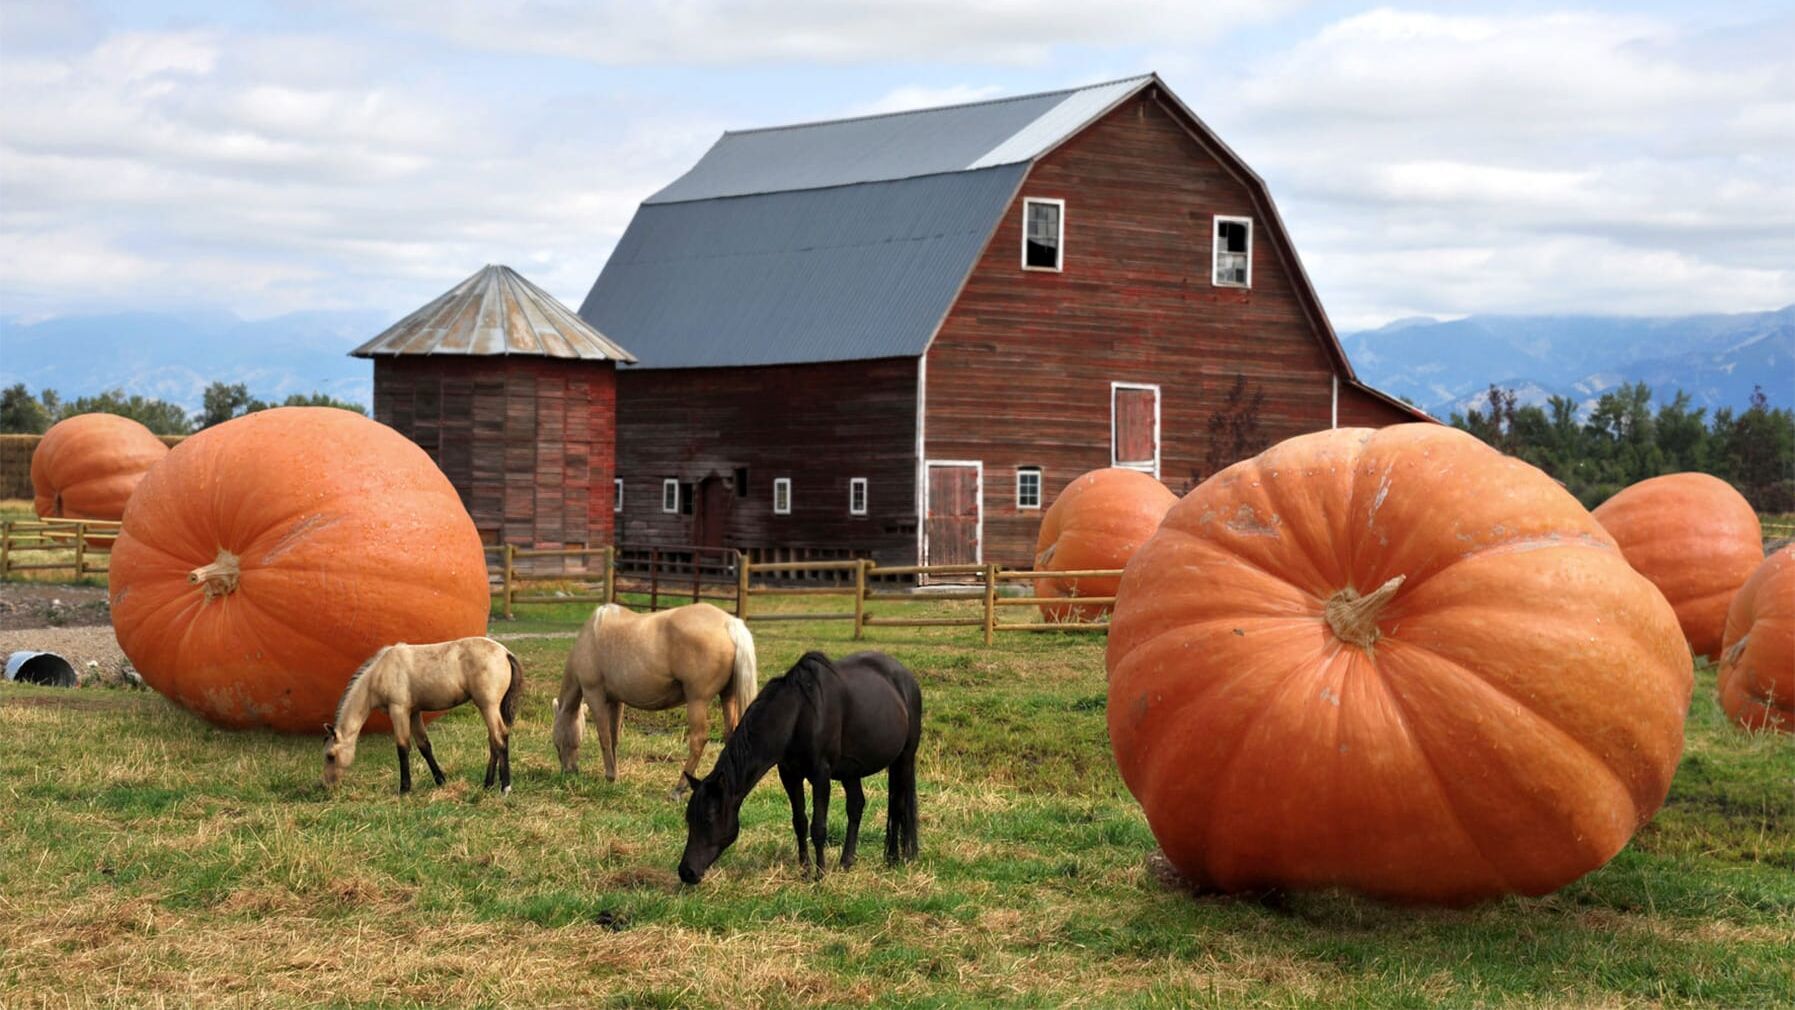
[[495, 311], [832, 241]]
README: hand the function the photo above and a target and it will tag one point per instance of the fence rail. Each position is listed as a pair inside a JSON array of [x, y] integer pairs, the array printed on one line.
[[77, 546]]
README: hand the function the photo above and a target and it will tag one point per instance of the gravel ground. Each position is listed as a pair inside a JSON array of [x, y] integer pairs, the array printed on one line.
[[71, 621]]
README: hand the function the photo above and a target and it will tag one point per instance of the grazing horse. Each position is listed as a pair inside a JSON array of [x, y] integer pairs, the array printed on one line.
[[409, 680], [687, 655], [821, 721]]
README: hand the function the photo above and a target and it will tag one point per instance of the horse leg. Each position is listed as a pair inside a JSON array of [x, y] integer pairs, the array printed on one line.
[[498, 747], [793, 782], [856, 798], [423, 739], [402, 739], [607, 736], [698, 730], [819, 821]]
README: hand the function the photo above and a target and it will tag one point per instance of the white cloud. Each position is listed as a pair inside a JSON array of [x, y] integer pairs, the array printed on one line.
[[734, 32]]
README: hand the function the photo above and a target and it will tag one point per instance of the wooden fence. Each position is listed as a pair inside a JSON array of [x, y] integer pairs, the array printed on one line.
[[674, 576], [77, 546]]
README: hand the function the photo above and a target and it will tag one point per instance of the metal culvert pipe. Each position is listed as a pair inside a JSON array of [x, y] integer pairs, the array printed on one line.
[[44, 668]]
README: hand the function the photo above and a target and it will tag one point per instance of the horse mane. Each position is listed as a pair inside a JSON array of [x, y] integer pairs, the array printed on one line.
[[737, 763], [354, 679]]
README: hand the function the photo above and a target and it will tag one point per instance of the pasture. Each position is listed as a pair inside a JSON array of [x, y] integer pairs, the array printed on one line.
[[148, 858]]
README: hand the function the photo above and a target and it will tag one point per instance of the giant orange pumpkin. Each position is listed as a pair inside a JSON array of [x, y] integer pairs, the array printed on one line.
[[1394, 661], [87, 466], [266, 558], [1757, 661], [1696, 538], [1096, 523]]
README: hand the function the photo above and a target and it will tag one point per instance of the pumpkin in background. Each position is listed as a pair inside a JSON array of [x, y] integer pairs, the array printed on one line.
[[1096, 523], [86, 466], [1696, 538], [266, 558], [1394, 661], [1757, 660]]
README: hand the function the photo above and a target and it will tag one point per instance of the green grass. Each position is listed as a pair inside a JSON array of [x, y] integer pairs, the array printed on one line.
[[145, 856]]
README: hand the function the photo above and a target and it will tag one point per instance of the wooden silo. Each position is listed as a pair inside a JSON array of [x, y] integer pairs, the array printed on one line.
[[515, 398]]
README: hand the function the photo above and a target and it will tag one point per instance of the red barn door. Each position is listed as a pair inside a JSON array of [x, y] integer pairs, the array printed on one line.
[[1134, 427], [954, 514]]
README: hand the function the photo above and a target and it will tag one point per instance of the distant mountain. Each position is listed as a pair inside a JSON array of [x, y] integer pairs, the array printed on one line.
[[175, 357], [1448, 366]]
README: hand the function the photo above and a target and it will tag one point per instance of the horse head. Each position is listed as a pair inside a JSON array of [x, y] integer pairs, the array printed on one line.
[[338, 755], [712, 823]]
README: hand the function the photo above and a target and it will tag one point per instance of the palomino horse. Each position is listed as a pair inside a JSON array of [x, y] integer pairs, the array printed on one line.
[[409, 680], [822, 721], [687, 655]]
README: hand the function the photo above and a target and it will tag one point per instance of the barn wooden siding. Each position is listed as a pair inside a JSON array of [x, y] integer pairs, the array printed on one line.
[[1020, 372], [1359, 409], [529, 442], [818, 424]]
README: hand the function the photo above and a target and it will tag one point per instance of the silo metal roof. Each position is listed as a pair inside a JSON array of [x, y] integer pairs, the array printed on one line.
[[495, 311]]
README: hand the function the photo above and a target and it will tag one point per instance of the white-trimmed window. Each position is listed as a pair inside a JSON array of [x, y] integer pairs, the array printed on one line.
[[857, 496], [670, 495], [782, 496], [617, 494], [1043, 233], [1028, 487], [1233, 262]]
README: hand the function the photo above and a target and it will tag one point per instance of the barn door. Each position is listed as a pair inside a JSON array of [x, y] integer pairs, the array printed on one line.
[[710, 519], [955, 514], [1134, 427]]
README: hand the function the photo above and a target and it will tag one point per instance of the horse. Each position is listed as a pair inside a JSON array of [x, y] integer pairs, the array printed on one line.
[[843, 721], [655, 661], [409, 680]]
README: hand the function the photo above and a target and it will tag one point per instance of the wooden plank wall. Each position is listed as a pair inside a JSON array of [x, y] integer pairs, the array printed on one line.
[[529, 443], [818, 424], [1020, 372]]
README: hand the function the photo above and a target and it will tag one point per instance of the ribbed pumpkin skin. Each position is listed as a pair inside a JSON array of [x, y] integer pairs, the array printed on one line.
[[1097, 522], [1696, 538], [1757, 660], [348, 538], [1519, 718], [87, 466]]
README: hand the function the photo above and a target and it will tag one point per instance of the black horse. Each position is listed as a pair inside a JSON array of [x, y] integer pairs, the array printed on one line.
[[823, 720]]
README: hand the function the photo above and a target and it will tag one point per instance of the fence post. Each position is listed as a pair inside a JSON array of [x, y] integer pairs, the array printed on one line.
[[610, 573], [741, 585], [5, 546], [80, 550], [860, 597], [510, 558], [654, 579], [697, 574], [990, 601]]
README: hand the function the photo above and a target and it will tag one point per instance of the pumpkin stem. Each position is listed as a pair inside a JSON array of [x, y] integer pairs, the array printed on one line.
[[219, 577], [1354, 617]]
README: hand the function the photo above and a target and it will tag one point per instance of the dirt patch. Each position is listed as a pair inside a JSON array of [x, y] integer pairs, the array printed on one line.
[[36, 605]]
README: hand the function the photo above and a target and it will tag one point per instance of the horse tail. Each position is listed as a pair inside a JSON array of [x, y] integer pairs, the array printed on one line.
[[745, 681], [514, 692]]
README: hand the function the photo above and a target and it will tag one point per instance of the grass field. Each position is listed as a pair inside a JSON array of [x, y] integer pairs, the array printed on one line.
[[146, 858]]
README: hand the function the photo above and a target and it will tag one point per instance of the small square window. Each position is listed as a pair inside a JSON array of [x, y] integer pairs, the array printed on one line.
[[1043, 233], [857, 496], [1233, 265], [669, 495], [617, 494], [782, 496], [1028, 487]]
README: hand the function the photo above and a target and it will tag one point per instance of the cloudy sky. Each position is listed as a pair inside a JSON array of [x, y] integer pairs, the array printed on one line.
[[1429, 159]]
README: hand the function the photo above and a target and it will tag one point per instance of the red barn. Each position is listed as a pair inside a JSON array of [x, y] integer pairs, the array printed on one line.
[[514, 397], [899, 336]]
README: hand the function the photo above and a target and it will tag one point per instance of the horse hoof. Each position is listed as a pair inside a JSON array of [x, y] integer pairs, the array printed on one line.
[[506, 791]]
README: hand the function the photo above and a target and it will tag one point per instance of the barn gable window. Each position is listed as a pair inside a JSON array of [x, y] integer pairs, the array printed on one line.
[[1043, 233], [1028, 487], [1134, 426], [670, 495], [1233, 252], [782, 496], [857, 496], [617, 494]]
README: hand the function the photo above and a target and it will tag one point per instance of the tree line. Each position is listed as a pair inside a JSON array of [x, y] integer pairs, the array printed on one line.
[[1623, 440], [23, 413]]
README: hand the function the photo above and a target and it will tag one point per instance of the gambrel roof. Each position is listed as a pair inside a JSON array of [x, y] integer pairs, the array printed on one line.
[[850, 239]]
